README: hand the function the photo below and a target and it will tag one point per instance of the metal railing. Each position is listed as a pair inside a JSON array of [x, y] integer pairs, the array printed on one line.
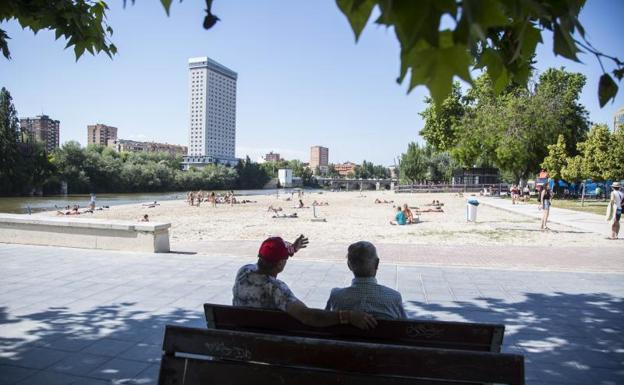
[[451, 188]]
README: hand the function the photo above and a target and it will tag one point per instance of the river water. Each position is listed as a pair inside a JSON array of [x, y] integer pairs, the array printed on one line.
[[21, 205]]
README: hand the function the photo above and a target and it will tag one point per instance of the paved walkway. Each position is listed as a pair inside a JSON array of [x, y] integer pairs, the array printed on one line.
[[527, 258], [577, 219], [71, 316]]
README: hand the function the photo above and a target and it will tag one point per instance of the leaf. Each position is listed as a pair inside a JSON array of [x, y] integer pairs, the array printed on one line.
[[4, 47], [167, 5], [564, 44], [619, 73], [607, 89], [492, 60], [357, 12], [435, 67]]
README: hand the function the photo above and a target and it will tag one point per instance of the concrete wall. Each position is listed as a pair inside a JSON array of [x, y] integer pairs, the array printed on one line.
[[85, 233]]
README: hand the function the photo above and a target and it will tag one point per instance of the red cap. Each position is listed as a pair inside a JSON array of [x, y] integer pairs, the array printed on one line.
[[273, 249]]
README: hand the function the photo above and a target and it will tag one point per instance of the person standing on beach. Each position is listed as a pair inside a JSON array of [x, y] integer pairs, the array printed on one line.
[[545, 204], [256, 285], [365, 294], [614, 209]]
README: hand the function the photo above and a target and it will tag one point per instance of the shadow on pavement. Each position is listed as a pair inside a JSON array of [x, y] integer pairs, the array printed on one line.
[[104, 345], [565, 338]]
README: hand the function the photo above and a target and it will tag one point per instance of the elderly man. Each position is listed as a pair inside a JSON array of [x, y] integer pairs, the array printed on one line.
[[365, 294], [257, 286]]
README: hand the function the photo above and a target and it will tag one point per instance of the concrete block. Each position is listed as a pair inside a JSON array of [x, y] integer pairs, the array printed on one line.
[[85, 233]]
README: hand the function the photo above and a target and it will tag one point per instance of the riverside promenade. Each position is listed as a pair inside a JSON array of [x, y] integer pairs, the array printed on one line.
[[588, 222], [72, 316]]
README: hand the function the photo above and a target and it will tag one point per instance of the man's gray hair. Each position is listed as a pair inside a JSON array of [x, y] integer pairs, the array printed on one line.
[[362, 258]]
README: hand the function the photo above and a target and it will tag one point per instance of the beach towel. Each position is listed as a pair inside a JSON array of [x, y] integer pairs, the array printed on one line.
[[610, 216]]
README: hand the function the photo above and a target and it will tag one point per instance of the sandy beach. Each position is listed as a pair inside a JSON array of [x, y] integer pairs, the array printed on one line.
[[351, 216]]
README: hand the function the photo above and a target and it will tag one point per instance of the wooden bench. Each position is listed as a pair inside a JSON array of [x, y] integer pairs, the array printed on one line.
[[436, 334], [194, 356]]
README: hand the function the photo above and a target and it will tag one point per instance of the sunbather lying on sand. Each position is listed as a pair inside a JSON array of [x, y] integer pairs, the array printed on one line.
[[293, 215], [274, 209]]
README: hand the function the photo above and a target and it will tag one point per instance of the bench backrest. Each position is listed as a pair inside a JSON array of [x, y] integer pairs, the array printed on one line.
[[207, 356], [438, 334]]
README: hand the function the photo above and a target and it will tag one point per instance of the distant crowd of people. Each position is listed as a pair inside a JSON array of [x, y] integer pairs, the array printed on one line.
[[195, 198]]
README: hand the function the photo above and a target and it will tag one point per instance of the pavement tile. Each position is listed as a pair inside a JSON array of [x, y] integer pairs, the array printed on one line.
[[79, 364], [143, 352], [119, 369], [11, 374], [108, 347], [34, 357], [48, 378], [566, 323]]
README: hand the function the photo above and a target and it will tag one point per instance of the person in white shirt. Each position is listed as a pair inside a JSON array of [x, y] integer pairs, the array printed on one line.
[[614, 209]]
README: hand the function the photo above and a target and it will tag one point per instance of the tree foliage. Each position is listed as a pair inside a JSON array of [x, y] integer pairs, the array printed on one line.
[[251, 175], [368, 170], [413, 165], [9, 133], [510, 130], [499, 36], [601, 157], [557, 158], [81, 22]]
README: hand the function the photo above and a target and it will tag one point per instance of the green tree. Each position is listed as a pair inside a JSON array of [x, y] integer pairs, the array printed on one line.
[[510, 130], [9, 152], [595, 152], [251, 175], [615, 157], [331, 171], [557, 158], [573, 170], [413, 165], [499, 36]]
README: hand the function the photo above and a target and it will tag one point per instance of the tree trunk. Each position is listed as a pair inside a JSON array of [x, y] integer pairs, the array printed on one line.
[[583, 194]]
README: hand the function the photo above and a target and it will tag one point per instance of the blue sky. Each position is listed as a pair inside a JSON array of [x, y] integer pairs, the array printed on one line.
[[302, 79]]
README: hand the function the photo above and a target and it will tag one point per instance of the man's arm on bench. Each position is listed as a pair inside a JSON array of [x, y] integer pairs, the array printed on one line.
[[322, 318]]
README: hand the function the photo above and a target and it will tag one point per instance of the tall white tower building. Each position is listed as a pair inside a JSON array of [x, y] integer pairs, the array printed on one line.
[[212, 104]]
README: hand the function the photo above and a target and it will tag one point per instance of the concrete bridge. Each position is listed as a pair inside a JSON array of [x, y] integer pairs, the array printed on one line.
[[351, 184]]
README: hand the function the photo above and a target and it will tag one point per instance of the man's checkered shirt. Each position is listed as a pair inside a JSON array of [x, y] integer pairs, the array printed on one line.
[[366, 295]]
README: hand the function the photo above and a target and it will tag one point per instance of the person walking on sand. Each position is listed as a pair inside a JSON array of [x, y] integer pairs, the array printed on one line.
[[614, 209], [545, 200]]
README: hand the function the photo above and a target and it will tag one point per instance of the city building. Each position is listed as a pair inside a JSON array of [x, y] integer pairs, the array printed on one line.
[[618, 120], [101, 134], [42, 129], [212, 105], [394, 171], [285, 177], [345, 168], [271, 157], [134, 146], [319, 157]]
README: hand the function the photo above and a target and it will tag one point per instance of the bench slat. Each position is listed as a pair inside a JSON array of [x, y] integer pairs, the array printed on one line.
[[190, 371], [449, 335], [358, 357]]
